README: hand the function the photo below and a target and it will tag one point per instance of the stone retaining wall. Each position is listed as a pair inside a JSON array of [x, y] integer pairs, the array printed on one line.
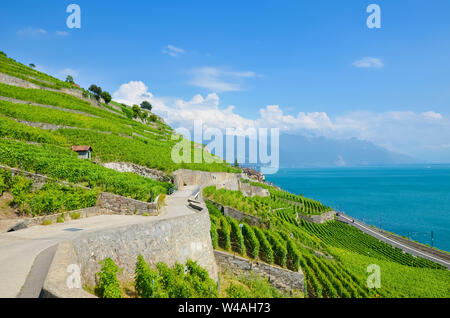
[[280, 278], [249, 190], [38, 179], [168, 240], [139, 170], [324, 217], [184, 177], [238, 215], [124, 205]]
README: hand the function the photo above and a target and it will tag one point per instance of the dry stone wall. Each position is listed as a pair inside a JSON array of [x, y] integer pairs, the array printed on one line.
[[168, 240], [139, 170], [280, 278], [324, 217], [123, 205]]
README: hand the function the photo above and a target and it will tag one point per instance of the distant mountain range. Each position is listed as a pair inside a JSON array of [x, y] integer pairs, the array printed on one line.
[[300, 151]]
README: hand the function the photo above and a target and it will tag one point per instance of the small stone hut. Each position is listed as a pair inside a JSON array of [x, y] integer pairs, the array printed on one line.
[[84, 152]]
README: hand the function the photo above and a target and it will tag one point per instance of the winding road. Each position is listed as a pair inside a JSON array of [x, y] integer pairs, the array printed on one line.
[[25, 255]]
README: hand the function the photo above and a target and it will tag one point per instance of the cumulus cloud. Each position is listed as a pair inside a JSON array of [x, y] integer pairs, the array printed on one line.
[[218, 79], [173, 50], [31, 32], [369, 62], [400, 131]]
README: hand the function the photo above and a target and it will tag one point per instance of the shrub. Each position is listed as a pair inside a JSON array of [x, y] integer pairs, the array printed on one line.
[[108, 285], [5, 180], [224, 234], [20, 188], [106, 97], [75, 215], [214, 235], [293, 256], [60, 219], [278, 247], [251, 241], [236, 237], [145, 279], [265, 249], [47, 222]]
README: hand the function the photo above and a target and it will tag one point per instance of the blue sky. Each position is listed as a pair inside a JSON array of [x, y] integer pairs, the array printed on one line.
[[291, 64]]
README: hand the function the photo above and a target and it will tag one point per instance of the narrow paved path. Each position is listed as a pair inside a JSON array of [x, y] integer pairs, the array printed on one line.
[[18, 250], [384, 238]]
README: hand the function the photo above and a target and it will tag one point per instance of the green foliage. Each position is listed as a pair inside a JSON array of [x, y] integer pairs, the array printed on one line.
[[75, 215], [20, 189], [28, 73], [47, 222], [127, 111], [266, 252], [278, 247], [146, 105], [214, 235], [189, 281], [251, 241], [252, 286], [237, 239], [5, 180], [64, 165], [106, 97], [108, 285], [96, 90], [12, 129], [69, 79], [145, 279], [60, 219], [54, 198], [224, 234]]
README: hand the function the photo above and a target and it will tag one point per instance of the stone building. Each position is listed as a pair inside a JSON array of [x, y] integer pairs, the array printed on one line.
[[84, 152]]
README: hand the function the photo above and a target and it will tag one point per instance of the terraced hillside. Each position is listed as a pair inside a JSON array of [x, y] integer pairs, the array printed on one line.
[[39, 125], [333, 256], [41, 118]]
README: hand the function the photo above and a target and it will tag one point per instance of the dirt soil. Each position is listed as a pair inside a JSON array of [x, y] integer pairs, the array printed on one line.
[[8, 215]]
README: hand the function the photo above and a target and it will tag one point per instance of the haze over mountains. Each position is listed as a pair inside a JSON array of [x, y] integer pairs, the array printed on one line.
[[302, 152]]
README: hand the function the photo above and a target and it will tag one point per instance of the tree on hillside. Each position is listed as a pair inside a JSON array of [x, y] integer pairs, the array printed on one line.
[[146, 105], [32, 65], [3, 54], [136, 111], [143, 115], [96, 90], [69, 79], [106, 96]]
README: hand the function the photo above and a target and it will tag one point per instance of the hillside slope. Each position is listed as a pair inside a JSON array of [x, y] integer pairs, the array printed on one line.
[[41, 118]]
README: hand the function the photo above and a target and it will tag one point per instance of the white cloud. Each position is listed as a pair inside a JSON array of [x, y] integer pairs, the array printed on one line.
[[218, 79], [400, 131], [369, 62], [68, 71], [173, 50], [31, 32], [62, 33]]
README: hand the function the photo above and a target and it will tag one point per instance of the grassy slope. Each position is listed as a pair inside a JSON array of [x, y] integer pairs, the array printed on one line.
[[411, 281], [113, 136]]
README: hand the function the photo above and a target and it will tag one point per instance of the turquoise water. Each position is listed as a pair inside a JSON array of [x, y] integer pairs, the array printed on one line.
[[401, 199]]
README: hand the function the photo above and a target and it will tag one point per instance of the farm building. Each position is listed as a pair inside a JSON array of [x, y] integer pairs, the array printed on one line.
[[84, 152]]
